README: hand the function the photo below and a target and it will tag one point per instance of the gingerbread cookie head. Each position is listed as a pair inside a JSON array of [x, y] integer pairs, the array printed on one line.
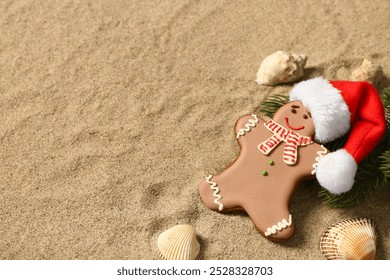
[[292, 124], [295, 117]]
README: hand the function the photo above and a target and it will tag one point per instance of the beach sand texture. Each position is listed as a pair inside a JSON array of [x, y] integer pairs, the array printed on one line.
[[112, 112]]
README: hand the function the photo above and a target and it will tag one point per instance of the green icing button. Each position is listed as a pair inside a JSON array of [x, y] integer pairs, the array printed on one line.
[[271, 162], [264, 172]]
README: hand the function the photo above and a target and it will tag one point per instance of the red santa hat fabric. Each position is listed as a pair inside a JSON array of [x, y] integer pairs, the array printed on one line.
[[339, 107]]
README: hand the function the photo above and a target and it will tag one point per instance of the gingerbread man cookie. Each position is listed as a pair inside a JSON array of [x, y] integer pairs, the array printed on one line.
[[275, 156], [279, 153]]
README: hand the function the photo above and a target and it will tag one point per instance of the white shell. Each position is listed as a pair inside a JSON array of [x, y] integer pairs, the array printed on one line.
[[179, 243], [281, 67], [353, 239], [368, 71]]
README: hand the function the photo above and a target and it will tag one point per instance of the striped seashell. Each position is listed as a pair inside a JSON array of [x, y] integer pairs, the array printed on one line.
[[179, 243], [353, 239]]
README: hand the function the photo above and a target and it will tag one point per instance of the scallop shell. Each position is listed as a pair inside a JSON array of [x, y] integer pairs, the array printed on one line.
[[179, 243], [281, 67], [368, 71], [353, 239]]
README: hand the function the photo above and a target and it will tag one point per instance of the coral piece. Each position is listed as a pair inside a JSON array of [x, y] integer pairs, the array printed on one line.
[[368, 71], [281, 67], [353, 239]]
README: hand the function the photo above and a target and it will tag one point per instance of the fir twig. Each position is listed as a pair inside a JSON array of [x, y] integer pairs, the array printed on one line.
[[271, 104], [386, 103], [385, 157], [385, 164]]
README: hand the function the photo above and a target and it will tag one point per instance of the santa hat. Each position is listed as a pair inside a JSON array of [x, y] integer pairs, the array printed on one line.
[[339, 107]]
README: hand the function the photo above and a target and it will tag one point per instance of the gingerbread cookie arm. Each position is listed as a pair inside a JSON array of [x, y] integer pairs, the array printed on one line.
[[312, 154], [320, 154], [245, 125]]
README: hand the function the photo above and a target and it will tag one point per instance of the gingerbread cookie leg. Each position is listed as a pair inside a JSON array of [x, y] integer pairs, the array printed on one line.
[[216, 193], [274, 223], [210, 194]]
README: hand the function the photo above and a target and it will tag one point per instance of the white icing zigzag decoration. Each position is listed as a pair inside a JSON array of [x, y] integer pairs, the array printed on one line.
[[248, 126], [320, 156], [279, 226], [213, 186]]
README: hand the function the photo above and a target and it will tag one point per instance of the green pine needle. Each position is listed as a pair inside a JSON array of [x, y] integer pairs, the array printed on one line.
[[271, 104], [373, 171], [386, 103], [385, 157], [385, 164]]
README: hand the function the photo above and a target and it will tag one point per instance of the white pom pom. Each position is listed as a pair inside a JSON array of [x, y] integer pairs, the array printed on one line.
[[336, 171]]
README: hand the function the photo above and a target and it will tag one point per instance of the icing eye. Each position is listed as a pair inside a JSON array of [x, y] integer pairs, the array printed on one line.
[[309, 114], [305, 116], [293, 111]]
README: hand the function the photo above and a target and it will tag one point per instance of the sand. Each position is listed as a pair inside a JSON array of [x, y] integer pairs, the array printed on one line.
[[112, 112]]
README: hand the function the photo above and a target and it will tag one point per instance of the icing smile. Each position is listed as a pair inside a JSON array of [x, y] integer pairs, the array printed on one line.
[[291, 127]]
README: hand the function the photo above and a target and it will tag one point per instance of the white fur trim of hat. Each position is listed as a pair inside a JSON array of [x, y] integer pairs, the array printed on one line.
[[330, 113]]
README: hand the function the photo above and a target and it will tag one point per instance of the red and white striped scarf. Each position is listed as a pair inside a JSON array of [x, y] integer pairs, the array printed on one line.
[[292, 141]]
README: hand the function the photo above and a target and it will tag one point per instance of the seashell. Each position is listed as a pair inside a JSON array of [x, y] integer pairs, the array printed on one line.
[[281, 67], [368, 71], [179, 243], [353, 239]]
